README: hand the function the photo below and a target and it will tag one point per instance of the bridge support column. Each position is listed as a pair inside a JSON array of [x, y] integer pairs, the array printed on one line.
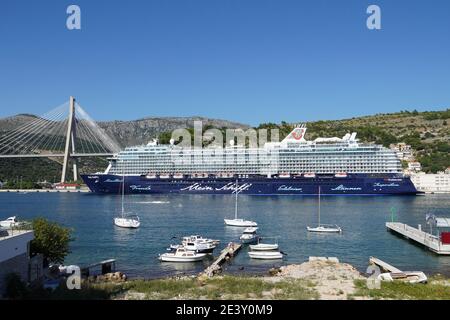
[[74, 160], [70, 140]]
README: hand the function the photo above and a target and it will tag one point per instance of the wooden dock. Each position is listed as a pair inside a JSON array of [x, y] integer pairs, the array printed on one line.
[[426, 239], [384, 265], [225, 255]]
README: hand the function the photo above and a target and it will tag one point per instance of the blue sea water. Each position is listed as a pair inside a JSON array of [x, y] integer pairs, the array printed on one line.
[[166, 216]]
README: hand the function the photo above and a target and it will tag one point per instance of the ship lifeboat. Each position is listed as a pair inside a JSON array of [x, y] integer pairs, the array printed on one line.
[[164, 176], [341, 175], [150, 176], [284, 175], [309, 175], [178, 176]]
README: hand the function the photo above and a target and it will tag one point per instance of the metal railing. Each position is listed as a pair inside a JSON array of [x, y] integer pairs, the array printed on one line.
[[16, 229]]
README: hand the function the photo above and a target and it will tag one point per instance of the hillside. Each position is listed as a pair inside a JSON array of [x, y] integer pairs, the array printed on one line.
[[427, 132], [137, 132]]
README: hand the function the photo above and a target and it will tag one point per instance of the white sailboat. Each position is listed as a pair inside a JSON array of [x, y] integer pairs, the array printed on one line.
[[324, 228], [126, 221], [238, 222]]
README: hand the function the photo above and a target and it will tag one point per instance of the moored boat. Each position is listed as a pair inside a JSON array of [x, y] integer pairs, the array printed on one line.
[[236, 222], [324, 228], [249, 235], [182, 255], [9, 222], [265, 255], [264, 246]]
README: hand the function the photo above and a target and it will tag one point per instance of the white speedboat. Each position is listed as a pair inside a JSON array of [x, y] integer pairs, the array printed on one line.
[[182, 255], [266, 255], [238, 222], [324, 228], [249, 235], [264, 246], [126, 221], [9, 222]]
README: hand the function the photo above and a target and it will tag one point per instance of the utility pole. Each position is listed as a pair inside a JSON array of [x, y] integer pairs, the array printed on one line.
[[70, 141]]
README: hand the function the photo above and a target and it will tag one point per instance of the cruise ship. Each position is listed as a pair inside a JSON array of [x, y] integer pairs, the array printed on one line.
[[294, 166]]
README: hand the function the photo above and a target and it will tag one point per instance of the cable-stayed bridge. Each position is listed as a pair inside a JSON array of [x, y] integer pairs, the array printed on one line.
[[67, 132]]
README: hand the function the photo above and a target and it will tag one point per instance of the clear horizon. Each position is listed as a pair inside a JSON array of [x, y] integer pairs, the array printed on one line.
[[249, 62]]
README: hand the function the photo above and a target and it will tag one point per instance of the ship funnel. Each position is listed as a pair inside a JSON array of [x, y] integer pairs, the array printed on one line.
[[353, 136]]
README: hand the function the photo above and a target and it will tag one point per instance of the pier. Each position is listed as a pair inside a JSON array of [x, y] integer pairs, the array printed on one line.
[[225, 255], [82, 190], [384, 265], [428, 240]]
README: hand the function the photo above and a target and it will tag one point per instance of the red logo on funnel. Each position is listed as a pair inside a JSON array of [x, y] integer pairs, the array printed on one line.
[[297, 134]]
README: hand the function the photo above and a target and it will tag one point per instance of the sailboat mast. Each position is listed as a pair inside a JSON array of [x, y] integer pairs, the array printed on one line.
[[235, 201], [319, 206], [123, 188]]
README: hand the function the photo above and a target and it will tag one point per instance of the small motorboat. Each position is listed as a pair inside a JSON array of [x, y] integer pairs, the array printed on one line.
[[264, 246], [182, 255], [406, 276], [9, 222], [194, 246], [249, 235], [200, 239], [266, 255]]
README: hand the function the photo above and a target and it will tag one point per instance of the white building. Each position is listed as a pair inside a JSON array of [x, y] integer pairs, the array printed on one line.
[[15, 257], [414, 166], [432, 183], [403, 151]]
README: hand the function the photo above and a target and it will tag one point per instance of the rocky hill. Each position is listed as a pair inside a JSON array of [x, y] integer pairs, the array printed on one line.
[[136, 132]]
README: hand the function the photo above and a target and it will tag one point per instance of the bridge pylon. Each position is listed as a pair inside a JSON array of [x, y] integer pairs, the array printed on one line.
[[70, 142]]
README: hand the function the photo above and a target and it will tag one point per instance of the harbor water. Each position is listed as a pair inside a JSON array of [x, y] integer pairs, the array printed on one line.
[[166, 218]]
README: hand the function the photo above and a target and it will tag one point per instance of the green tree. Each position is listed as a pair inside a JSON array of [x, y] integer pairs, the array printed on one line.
[[51, 240]]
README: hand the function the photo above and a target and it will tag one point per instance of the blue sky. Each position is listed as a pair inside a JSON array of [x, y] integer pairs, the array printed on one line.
[[251, 61]]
